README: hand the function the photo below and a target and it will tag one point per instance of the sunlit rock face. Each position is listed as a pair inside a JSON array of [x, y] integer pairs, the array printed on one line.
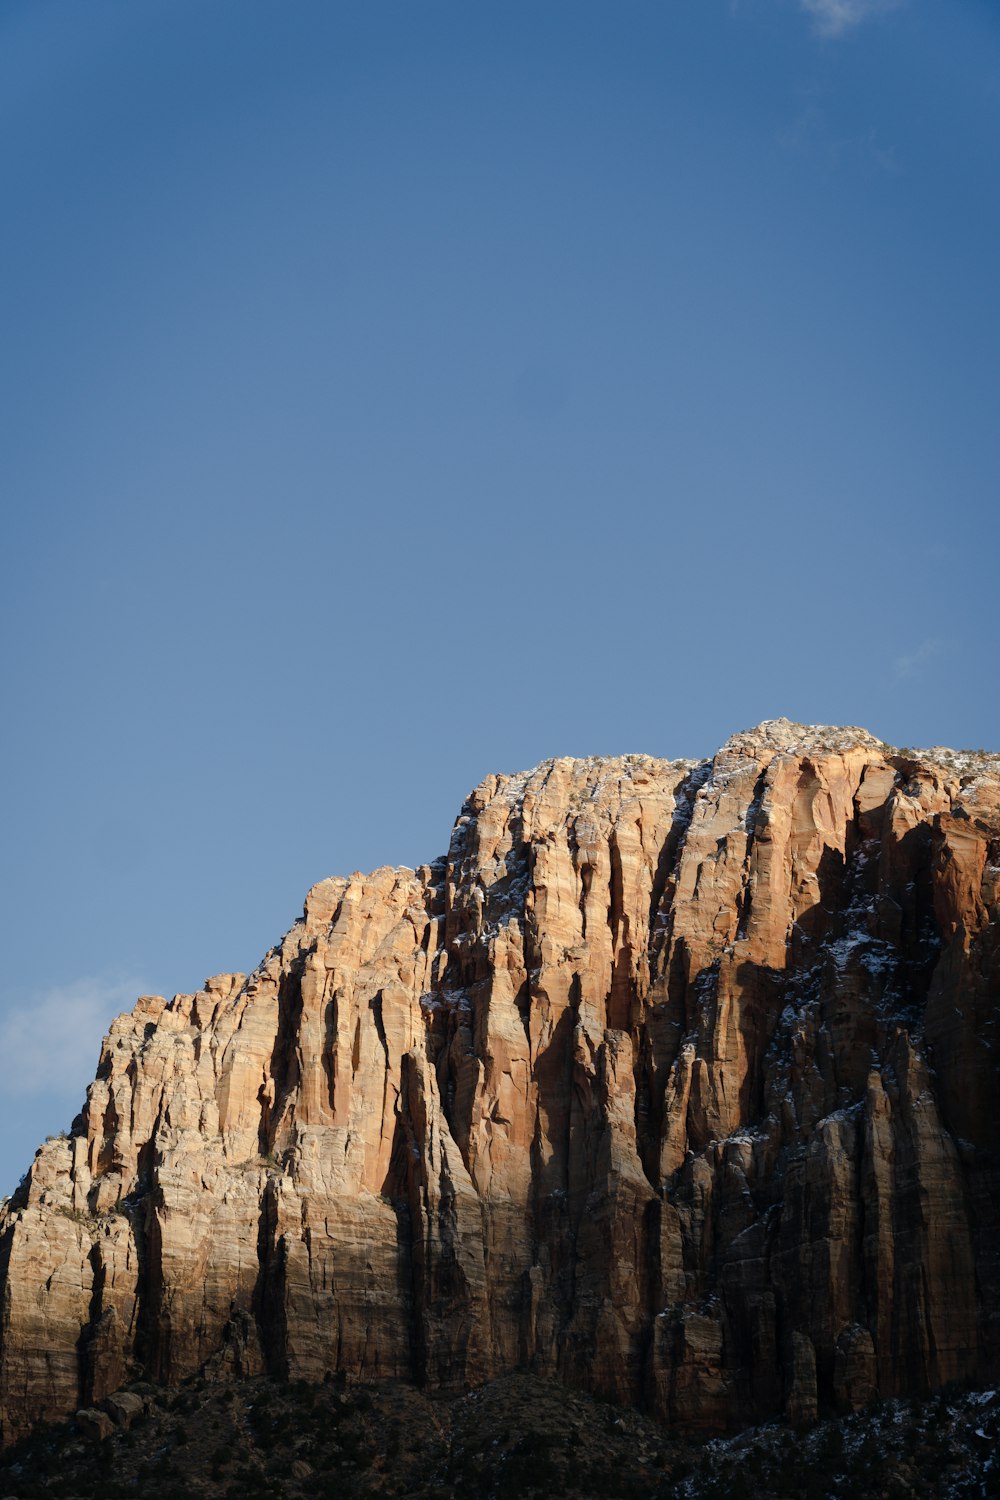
[[675, 1079]]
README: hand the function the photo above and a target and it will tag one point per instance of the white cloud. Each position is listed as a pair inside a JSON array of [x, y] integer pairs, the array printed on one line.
[[835, 17], [51, 1044], [805, 131], [810, 135], [913, 662]]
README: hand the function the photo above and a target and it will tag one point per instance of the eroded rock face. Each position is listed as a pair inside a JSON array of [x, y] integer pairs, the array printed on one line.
[[677, 1080]]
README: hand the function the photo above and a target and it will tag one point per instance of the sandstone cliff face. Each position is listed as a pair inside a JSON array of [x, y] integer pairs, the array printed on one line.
[[677, 1080]]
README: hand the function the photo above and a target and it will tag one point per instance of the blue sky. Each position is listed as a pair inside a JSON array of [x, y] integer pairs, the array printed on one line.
[[394, 393]]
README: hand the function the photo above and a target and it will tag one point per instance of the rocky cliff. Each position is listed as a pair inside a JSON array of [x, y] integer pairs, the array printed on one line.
[[677, 1080]]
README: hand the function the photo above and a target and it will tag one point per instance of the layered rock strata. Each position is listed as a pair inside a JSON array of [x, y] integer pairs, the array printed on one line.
[[677, 1080]]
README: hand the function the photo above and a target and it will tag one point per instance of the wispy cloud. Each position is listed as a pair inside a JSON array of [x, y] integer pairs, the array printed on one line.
[[812, 135], [835, 17], [913, 663], [51, 1044]]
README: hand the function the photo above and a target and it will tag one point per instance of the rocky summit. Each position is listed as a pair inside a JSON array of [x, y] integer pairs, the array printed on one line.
[[675, 1081]]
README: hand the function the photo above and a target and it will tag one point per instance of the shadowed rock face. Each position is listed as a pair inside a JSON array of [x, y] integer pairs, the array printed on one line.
[[677, 1080]]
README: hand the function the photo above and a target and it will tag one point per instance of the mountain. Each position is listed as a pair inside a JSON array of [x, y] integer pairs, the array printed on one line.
[[675, 1080]]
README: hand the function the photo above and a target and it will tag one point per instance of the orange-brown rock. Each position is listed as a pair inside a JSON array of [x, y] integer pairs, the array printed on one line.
[[675, 1079]]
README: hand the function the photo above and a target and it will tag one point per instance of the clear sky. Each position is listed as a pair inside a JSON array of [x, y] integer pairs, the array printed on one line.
[[396, 392]]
